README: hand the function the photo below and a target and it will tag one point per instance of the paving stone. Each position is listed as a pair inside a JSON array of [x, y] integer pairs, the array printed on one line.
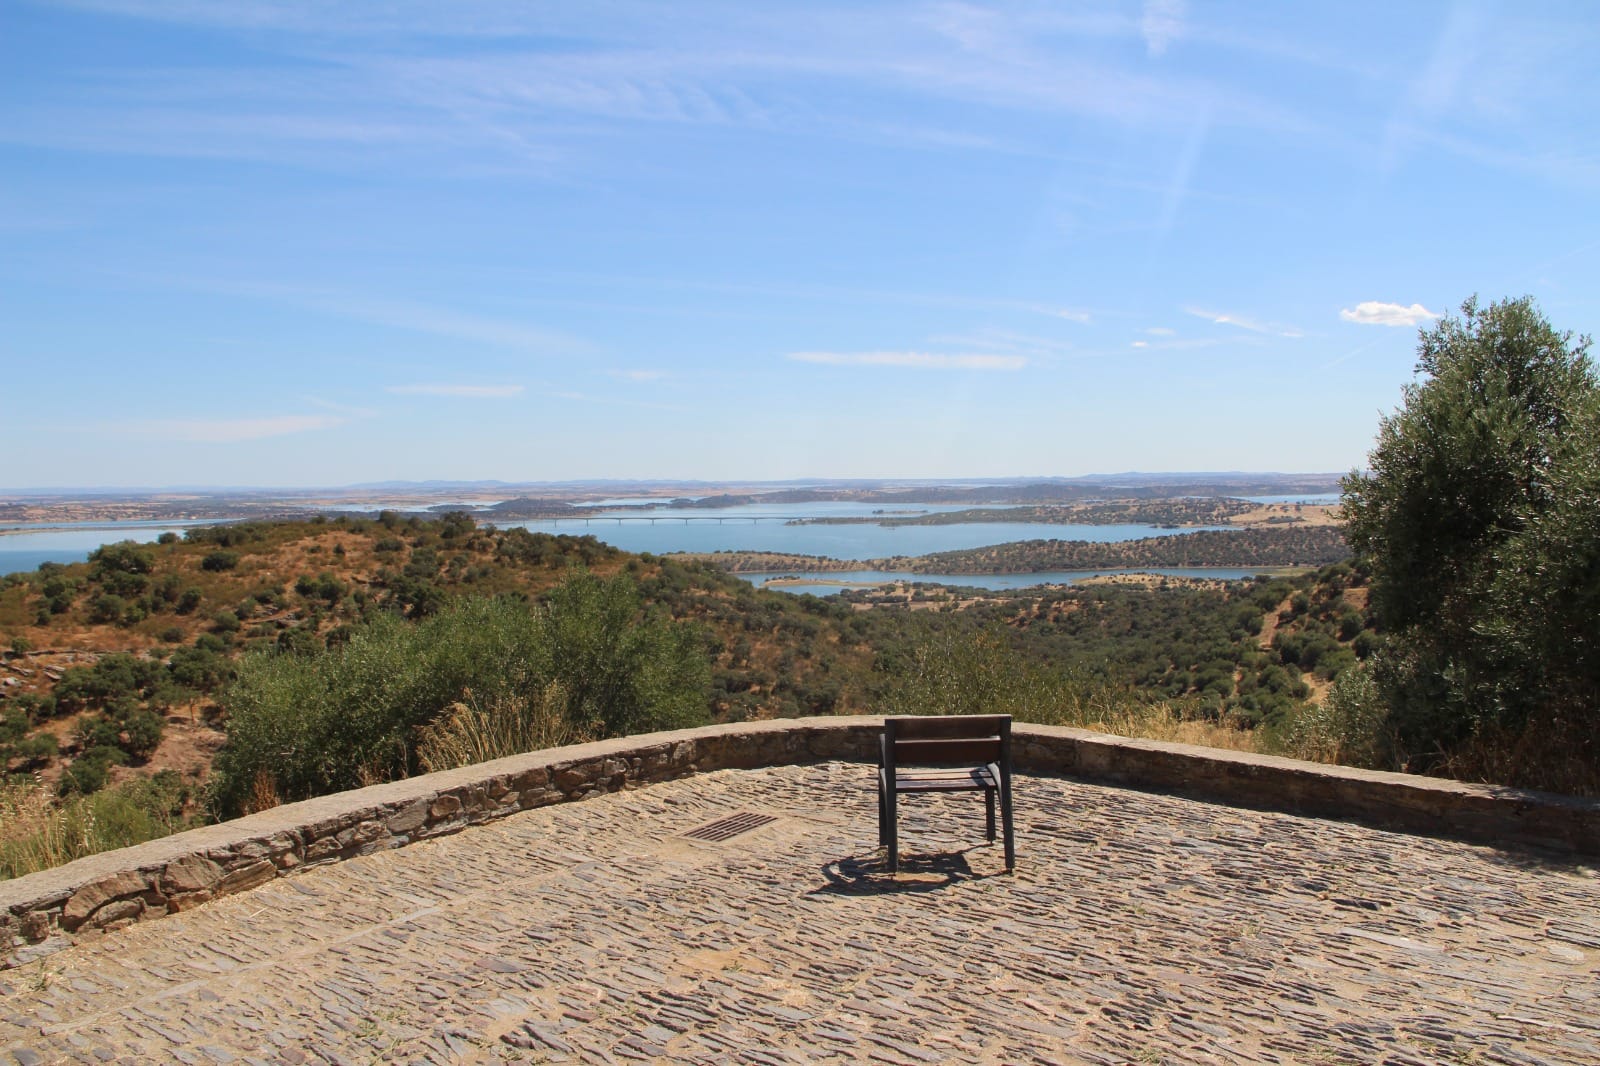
[[1138, 927]]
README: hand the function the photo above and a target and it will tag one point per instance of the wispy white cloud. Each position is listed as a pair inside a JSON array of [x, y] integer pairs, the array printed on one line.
[[443, 322], [1254, 325], [914, 360], [1377, 313], [617, 401], [1003, 341], [1177, 344], [233, 430], [1161, 24], [397, 314], [637, 377], [471, 392], [1071, 314], [340, 408], [381, 92]]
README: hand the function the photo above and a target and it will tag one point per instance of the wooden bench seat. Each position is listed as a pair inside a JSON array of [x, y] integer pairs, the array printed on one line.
[[957, 753]]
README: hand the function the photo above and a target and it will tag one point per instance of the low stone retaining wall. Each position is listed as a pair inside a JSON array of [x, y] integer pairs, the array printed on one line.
[[40, 913]]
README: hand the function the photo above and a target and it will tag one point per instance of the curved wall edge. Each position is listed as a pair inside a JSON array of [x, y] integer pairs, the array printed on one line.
[[46, 911]]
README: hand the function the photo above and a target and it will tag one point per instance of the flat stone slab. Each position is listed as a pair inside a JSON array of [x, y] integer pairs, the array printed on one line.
[[1138, 928]]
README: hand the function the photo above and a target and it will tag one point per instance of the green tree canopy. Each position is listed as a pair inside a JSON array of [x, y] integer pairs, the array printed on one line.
[[1479, 517]]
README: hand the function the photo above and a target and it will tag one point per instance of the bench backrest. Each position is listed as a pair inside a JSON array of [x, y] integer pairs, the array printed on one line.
[[953, 740]]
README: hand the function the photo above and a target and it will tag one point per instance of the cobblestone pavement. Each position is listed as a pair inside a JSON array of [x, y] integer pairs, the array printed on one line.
[[1138, 929]]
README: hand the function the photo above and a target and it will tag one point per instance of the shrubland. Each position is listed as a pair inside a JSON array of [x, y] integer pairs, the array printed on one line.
[[330, 654]]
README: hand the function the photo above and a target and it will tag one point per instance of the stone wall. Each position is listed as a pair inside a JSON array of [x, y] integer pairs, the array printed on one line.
[[42, 912]]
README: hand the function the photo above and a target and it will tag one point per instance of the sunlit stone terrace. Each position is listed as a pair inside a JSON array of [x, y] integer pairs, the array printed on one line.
[[1139, 928]]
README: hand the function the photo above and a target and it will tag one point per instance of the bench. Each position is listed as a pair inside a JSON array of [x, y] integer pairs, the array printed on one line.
[[956, 753]]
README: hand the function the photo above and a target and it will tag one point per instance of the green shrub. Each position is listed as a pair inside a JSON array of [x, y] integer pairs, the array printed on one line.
[[123, 557], [1331, 664], [324, 587], [96, 731], [113, 676], [228, 536], [220, 560], [211, 642], [350, 714], [142, 733], [34, 750], [107, 609], [1350, 625], [90, 771], [1350, 726], [198, 668]]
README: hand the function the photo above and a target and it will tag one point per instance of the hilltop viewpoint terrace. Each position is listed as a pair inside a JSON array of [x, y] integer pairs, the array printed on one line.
[[717, 895]]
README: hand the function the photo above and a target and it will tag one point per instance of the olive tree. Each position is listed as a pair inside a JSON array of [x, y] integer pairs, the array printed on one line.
[[1479, 517]]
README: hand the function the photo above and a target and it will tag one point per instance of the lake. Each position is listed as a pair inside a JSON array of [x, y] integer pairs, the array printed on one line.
[[72, 542], [1325, 499], [747, 527], [831, 584], [765, 528]]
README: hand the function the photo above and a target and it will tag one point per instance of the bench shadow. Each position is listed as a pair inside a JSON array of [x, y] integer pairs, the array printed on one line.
[[868, 875]]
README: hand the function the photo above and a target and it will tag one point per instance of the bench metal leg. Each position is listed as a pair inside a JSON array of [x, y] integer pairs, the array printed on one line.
[[884, 813], [893, 842], [1011, 839], [988, 803]]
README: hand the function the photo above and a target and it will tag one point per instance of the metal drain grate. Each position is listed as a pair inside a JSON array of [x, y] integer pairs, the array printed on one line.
[[731, 826]]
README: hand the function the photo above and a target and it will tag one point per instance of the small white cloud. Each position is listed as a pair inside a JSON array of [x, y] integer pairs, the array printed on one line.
[[1002, 342], [1161, 24], [1179, 344], [637, 377], [1377, 313], [340, 408], [471, 392], [1068, 313], [915, 360], [231, 430], [1226, 318]]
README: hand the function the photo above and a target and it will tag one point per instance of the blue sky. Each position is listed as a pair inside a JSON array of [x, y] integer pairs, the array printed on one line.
[[308, 243]]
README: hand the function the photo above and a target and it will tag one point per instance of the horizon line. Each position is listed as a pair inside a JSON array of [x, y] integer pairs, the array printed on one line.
[[495, 483]]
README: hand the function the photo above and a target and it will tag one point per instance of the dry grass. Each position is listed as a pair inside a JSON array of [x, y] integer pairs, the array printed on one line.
[[1553, 755], [35, 834], [263, 793], [1158, 722], [1306, 514], [473, 733], [37, 831]]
